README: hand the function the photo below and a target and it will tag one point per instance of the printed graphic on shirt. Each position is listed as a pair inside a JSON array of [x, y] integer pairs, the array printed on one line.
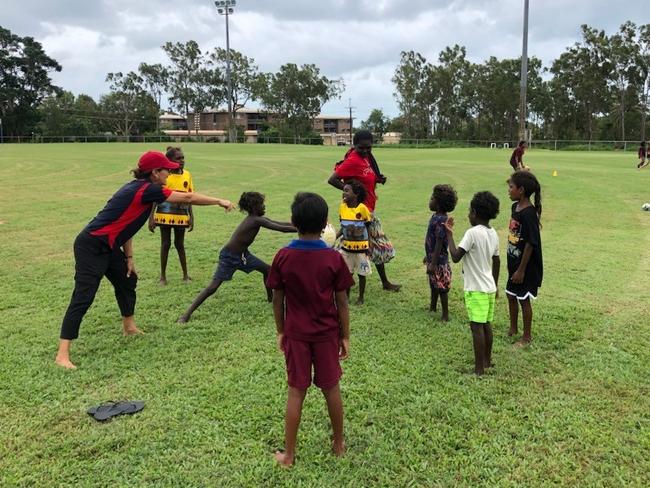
[[514, 237], [353, 227]]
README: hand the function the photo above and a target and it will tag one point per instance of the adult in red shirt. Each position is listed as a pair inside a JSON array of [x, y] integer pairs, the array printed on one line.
[[359, 164], [517, 158], [105, 246]]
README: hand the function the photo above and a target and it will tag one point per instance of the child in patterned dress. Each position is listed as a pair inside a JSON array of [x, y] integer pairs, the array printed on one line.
[[443, 200]]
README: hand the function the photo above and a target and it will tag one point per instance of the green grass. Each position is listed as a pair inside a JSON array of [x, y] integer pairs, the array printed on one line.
[[572, 410]]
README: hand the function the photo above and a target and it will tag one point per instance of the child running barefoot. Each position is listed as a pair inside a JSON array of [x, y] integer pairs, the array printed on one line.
[[235, 255], [525, 265], [643, 154], [479, 249], [443, 200], [310, 305], [355, 219]]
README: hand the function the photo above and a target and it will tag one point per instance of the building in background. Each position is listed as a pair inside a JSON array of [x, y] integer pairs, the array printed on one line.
[[169, 121], [334, 130]]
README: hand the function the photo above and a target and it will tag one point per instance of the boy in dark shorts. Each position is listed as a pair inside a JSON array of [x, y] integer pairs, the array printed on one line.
[[517, 157], [235, 255], [310, 305], [643, 154]]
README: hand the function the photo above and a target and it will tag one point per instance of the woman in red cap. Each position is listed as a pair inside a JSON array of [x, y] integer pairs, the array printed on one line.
[[105, 247]]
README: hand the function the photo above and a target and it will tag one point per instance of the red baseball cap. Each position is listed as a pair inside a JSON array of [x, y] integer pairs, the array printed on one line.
[[155, 160]]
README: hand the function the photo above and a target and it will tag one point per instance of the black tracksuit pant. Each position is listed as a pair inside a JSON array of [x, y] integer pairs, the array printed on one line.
[[94, 260]]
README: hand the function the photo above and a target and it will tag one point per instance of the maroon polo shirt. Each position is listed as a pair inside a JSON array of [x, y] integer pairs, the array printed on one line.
[[309, 272]]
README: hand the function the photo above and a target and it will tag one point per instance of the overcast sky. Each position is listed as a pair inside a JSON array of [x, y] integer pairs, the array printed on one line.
[[357, 40]]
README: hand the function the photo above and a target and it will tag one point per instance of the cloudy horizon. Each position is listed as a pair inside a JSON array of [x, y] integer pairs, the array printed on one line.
[[358, 41]]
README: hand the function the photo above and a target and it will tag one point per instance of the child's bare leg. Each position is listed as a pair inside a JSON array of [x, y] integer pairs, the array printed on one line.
[[527, 318], [434, 298], [362, 289], [128, 326], [295, 399], [179, 244], [165, 245], [478, 339], [335, 410], [207, 291], [381, 270], [487, 331], [444, 301], [431, 302], [63, 354], [513, 309], [265, 269]]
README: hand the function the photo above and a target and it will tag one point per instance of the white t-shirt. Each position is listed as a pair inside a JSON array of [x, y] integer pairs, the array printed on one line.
[[480, 244]]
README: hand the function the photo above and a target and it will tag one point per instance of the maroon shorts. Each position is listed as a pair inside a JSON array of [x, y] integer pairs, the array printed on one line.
[[323, 356]]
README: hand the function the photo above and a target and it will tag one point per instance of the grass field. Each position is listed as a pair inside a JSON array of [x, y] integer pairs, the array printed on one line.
[[573, 409]]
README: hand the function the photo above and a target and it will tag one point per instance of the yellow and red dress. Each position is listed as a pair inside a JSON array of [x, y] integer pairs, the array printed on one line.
[[175, 214]]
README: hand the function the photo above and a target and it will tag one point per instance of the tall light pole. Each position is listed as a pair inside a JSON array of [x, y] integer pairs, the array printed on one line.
[[524, 77], [226, 7]]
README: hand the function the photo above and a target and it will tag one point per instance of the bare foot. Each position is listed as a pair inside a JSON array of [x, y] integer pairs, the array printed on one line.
[[130, 331], [338, 449], [64, 363], [282, 459], [392, 287], [162, 281], [522, 343], [512, 332]]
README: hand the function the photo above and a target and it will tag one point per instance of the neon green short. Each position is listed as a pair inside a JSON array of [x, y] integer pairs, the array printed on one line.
[[480, 306]]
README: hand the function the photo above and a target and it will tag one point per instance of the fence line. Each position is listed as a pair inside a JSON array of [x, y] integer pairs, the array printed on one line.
[[551, 144]]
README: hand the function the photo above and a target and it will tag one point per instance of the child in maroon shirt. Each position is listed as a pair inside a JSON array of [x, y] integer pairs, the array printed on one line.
[[309, 282]]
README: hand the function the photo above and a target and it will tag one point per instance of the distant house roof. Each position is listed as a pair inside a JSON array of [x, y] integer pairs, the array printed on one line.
[[338, 117], [169, 116], [247, 110]]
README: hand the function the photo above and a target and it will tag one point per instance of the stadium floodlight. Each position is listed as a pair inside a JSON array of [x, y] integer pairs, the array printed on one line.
[[225, 7]]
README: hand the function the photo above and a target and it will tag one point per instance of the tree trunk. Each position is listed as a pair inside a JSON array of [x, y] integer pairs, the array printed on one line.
[[622, 115]]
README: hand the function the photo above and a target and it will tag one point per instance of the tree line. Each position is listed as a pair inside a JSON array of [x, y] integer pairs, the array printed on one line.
[[192, 81], [596, 89]]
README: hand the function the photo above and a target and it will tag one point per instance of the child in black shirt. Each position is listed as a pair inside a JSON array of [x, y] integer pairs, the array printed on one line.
[[525, 265]]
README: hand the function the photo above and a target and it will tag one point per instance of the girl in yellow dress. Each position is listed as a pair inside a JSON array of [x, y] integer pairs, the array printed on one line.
[[177, 216]]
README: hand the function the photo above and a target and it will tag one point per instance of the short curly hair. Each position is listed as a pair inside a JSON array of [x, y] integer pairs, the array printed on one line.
[[358, 189], [309, 213], [446, 197], [250, 200], [485, 205]]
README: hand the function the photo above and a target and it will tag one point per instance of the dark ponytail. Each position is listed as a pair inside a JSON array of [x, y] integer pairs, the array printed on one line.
[[138, 174]]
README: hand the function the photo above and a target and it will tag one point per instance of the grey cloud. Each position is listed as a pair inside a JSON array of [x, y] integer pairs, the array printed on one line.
[[359, 40]]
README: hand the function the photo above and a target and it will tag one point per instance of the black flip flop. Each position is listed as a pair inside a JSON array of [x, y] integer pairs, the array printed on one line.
[[109, 410]]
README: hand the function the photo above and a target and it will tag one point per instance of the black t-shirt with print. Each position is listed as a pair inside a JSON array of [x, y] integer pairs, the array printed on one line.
[[524, 228]]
